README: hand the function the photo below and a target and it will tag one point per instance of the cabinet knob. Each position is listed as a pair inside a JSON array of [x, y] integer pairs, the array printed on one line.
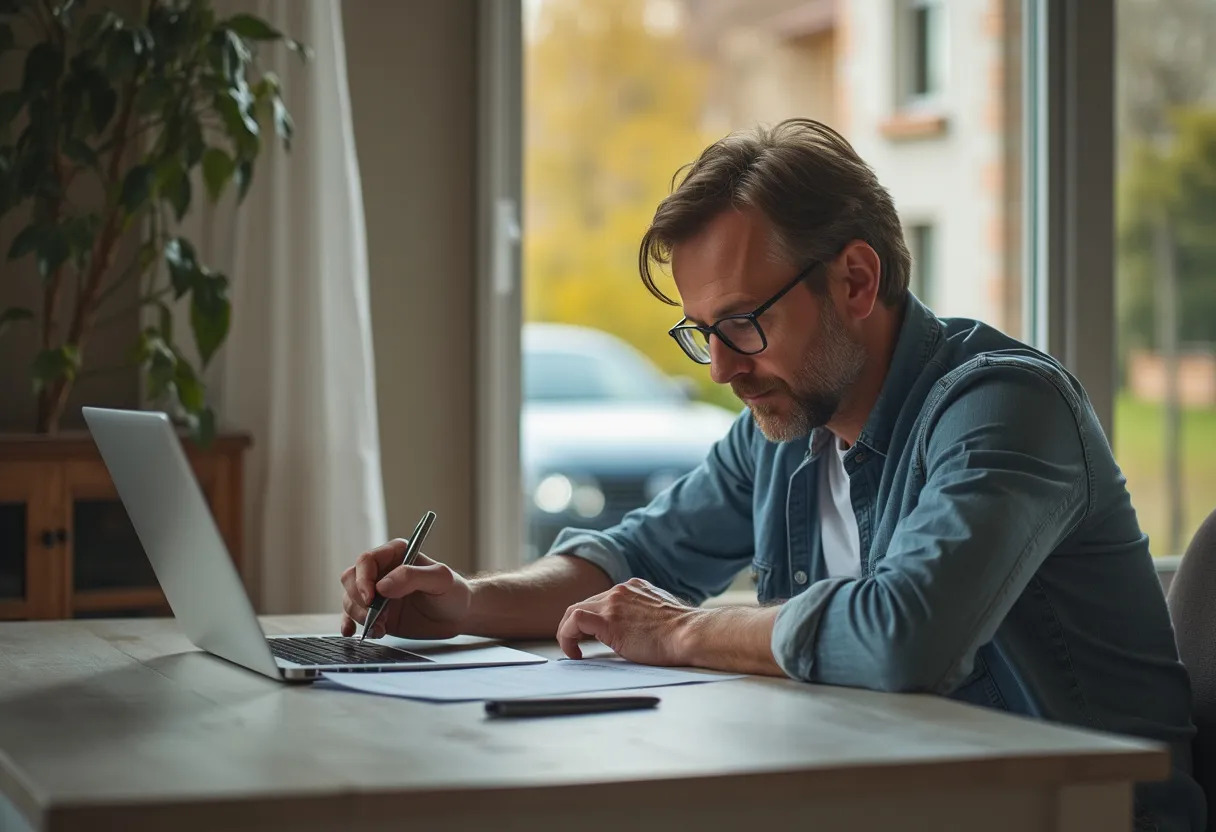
[[48, 539]]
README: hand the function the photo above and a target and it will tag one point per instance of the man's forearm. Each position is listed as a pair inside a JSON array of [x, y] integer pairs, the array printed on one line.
[[734, 639], [530, 602]]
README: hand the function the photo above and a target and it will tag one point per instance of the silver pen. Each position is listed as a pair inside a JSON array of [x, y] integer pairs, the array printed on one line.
[[411, 554]]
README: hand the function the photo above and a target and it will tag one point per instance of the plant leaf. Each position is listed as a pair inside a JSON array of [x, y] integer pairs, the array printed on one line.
[[283, 124], [210, 313], [63, 13], [12, 315], [183, 265], [136, 187], [80, 152], [305, 52], [43, 66], [29, 239], [218, 168], [54, 364], [189, 388], [153, 96], [254, 28], [162, 367], [11, 103], [202, 426], [53, 251], [81, 231], [166, 320], [122, 50], [240, 124], [174, 185], [244, 177], [103, 101]]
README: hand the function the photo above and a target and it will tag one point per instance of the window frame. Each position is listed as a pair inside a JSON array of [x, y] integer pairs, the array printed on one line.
[[498, 387], [1070, 167]]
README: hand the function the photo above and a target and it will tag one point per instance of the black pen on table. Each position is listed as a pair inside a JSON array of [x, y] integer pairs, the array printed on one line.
[[562, 706], [411, 554]]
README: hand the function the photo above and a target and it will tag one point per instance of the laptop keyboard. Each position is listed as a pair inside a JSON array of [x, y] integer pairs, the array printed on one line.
[[325, 650]]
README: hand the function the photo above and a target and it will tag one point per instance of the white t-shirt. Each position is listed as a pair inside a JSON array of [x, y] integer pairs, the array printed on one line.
[[837, 522]]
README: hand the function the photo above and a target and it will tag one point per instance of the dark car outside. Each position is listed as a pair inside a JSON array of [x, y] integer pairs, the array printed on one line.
[[604, 430]]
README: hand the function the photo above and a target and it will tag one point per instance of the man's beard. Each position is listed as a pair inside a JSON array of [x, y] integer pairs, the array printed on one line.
[[829, 369]]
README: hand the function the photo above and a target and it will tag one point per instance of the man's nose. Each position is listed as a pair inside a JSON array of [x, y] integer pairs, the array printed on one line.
[[725, 363]]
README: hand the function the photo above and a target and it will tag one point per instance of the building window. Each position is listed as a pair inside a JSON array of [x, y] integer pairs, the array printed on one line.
[[921, 31], [921, 244]]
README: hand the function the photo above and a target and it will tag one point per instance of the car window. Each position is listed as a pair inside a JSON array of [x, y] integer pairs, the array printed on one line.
[[607, 376]]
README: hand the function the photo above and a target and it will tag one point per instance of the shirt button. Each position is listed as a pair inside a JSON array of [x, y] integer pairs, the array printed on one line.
[[861, 457], [799, 577]]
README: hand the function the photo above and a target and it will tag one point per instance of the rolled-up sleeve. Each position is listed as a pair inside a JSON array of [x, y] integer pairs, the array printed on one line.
[[693, 538], [1005, 481]]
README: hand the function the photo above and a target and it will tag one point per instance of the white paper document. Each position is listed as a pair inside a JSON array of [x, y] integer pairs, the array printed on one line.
[[550, 679]]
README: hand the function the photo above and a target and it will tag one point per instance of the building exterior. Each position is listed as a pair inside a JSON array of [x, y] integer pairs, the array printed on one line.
[[927, 91]]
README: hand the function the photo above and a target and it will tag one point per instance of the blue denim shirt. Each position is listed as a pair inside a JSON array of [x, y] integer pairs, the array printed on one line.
[[1002, 563]]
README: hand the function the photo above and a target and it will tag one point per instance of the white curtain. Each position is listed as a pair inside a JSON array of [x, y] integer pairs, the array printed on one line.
[[297, 369]]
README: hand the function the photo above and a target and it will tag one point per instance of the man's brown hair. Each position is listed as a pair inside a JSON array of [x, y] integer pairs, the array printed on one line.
[[806, 179]]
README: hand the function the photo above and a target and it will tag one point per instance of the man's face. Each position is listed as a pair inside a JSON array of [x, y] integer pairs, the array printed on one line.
[[798, 382]]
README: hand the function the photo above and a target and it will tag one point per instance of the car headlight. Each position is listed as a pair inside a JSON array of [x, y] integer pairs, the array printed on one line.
[[588, 500], [554, 494], [558, 493]]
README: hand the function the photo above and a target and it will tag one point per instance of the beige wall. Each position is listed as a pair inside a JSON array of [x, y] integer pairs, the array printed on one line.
[[412, 69]]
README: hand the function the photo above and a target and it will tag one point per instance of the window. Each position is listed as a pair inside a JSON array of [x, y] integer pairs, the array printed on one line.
[[1165, 405], [921, 245], [922, 72], [618, 95]]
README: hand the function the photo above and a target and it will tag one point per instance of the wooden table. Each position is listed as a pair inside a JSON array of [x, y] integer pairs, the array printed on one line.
[[121, 724]]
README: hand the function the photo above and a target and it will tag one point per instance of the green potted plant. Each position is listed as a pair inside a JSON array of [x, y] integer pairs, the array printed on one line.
[[141, 105]]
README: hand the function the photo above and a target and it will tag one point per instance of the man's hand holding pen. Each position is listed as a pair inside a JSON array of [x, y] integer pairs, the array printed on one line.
[[423, 598]]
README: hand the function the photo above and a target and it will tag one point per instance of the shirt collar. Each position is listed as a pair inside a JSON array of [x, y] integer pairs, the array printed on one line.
[[919, 335]]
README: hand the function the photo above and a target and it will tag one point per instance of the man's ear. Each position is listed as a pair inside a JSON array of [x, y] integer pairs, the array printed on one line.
[[860, 274]]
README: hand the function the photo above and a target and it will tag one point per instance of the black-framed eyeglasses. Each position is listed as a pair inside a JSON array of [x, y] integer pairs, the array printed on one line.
[[742, 333]]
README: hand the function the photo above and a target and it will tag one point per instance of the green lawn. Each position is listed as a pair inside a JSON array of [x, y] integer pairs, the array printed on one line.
[[1139, 444]]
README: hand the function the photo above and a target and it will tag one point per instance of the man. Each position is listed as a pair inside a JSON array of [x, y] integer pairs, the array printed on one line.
[[933, 504]]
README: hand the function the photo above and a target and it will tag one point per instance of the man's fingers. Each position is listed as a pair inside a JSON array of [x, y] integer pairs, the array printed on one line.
[[369, 566], [354, 610], [577, 624], [430, 579], [348, 626]]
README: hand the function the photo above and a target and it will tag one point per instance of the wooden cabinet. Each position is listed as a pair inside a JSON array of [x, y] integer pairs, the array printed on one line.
[[67, 547]]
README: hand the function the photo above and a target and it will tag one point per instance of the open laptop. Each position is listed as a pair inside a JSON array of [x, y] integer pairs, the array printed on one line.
[[142, 451]]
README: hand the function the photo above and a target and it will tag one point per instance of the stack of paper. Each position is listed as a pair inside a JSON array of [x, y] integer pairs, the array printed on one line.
[[549, 679]]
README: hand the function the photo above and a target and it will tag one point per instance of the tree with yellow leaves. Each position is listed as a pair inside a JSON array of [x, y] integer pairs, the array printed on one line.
[[613, 103]]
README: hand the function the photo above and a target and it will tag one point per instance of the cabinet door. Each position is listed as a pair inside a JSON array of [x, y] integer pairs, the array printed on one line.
[[32, 560], [108, 570]]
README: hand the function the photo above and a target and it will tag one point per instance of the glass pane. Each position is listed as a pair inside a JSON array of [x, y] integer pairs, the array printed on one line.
[[619, 95], [107, 551], [1165, 411], [921, 51], [12, 550]]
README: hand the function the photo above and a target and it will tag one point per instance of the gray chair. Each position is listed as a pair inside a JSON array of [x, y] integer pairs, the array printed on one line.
[[1192, 602]]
